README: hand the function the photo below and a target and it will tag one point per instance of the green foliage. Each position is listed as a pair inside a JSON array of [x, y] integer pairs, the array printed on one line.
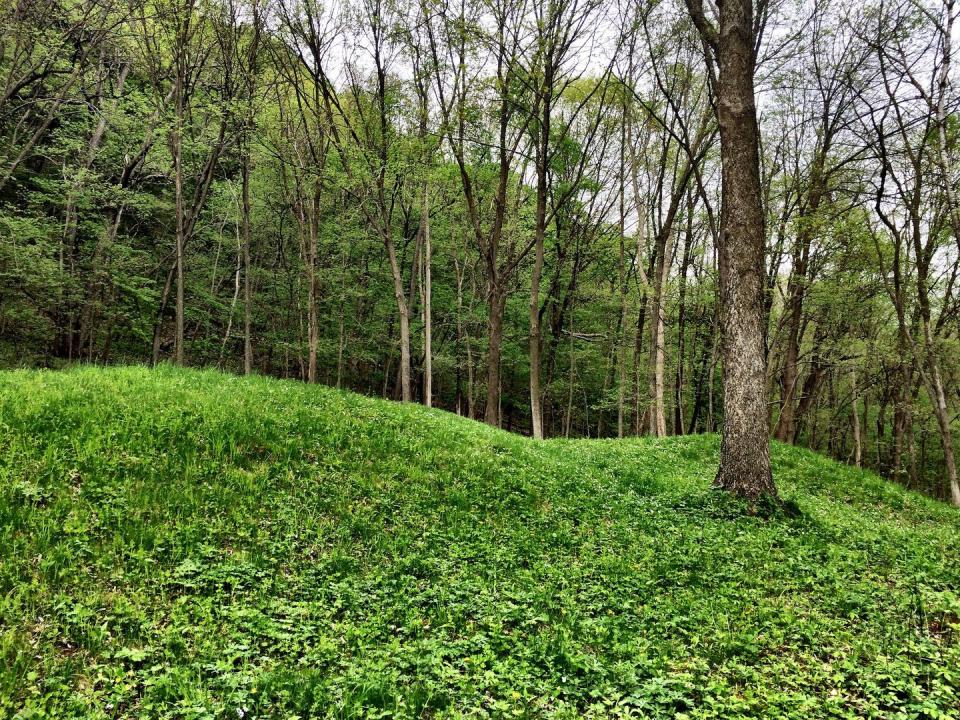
[[182, 544]]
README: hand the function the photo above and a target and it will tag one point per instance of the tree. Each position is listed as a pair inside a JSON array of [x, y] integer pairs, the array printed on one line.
[[560, 34], [452, 38], [729, 47], [911, 156], [176, 46]]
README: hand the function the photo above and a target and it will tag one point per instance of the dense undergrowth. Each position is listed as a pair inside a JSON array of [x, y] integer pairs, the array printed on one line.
[[182, 544]]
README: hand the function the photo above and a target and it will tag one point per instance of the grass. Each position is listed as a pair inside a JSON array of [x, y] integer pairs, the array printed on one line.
[[183, 544]]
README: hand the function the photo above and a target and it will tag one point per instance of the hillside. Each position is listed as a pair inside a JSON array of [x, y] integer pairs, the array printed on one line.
[[183, 544]]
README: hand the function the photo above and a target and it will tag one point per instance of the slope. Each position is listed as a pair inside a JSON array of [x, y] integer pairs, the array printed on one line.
[[184, 544]]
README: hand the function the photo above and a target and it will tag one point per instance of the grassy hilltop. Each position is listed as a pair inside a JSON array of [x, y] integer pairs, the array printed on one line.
[[183, 544]]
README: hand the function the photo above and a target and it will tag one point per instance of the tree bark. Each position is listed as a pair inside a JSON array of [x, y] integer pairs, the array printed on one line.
[[622, 268], [797, 286], [427, 290], [496, 305], [176, 147], [657, 415], [745, 448], [539, 232], [855, 421], [404, 315], [938, 397], [313, 320], [681, 323], [247, 292]]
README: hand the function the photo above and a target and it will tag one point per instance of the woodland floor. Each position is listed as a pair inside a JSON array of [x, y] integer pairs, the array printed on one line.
[[184, 544]]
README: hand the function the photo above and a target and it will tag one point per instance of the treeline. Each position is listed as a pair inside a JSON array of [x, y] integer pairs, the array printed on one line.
[[506, 208]]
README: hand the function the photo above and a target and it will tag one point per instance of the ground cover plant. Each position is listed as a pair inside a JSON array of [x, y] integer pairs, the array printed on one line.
[[185, 544]]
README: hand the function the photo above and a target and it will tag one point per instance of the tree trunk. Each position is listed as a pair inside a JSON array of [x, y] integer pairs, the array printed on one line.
[[403, 312], [313, 321], [158, 324], [681, 323], [643, 276], [567, 420], [176, 147], [341, 342], [622, 375], [463, 343], [943, 154], [471, 412], [711, 381], [865, 427], [700, 382], [811, 388], [855, 423], [459, 344], [785, 430], [658, 421], [745, 449], [622, 267], [539, 232], [497, 304], [233, 301], [247, 342], [881, 428], [638, 417], [939, 400], [427, 321]]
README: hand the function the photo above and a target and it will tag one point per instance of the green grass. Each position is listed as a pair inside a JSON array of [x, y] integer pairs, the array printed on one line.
[[182, 544]]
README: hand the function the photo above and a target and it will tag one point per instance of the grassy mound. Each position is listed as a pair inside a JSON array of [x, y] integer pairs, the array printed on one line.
[[182, 544]]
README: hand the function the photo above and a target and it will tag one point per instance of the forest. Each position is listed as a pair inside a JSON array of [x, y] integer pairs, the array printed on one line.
[[504, 208], [479, 359]]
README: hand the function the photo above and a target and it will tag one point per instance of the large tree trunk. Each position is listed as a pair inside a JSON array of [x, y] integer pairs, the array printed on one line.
[[745, 449]]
